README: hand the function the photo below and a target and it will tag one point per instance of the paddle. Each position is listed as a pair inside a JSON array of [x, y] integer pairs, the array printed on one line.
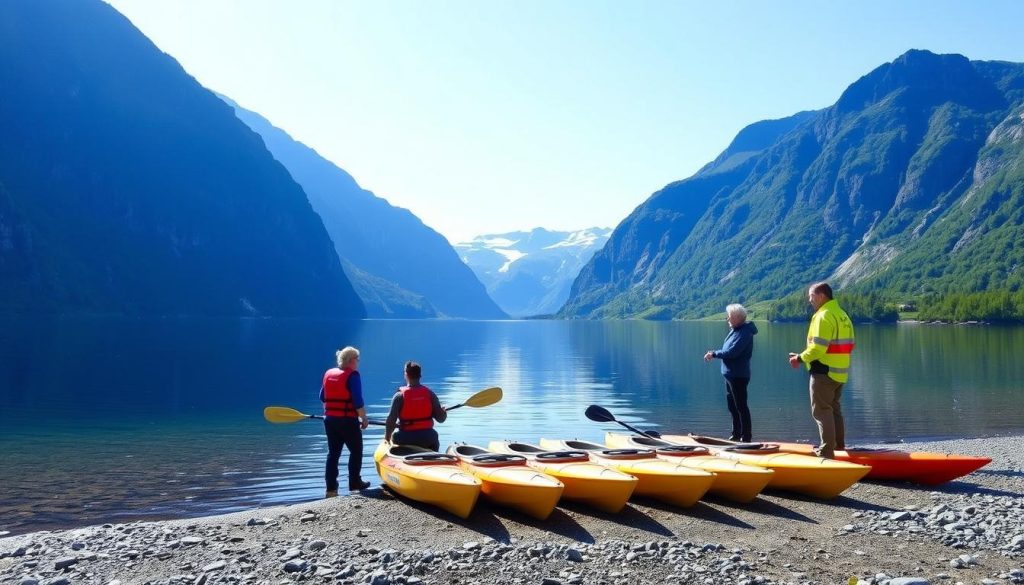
[[600, 414], [283, 414], [482, 398]]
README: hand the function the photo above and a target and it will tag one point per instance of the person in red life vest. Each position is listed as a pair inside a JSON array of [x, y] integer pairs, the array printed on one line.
[[414, 408], [344, 419]]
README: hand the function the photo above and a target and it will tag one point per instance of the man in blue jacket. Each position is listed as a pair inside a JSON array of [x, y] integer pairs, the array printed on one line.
[[735, 355]]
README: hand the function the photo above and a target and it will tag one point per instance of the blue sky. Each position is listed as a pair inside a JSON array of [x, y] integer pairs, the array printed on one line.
[[486, 117]]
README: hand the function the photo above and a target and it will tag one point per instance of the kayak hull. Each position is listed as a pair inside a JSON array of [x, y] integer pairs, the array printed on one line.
[[657, 478], [733, 480], [588, 483], [514, 485], [442, 484], [921, 467], [807, 475]]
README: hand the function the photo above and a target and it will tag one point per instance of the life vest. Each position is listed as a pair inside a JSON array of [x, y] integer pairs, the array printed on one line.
[[337, 398], [829, 342], [417, 411]]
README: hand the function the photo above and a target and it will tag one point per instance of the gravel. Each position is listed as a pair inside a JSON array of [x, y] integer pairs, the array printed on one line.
[[968, 531]]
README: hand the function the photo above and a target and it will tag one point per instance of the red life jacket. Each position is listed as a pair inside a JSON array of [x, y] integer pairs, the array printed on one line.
[[417, 411], [337, 398]]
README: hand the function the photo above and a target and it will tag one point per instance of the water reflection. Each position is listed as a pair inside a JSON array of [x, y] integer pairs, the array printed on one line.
[[163, 418]]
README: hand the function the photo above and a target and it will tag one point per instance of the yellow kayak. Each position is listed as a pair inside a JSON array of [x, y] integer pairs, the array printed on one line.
[[812, 476], [733, 480], [508, 481], [656, 478], [592, 484], [427, 476]]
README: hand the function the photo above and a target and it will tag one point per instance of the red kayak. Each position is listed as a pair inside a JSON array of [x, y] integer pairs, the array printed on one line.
[[916, 466]]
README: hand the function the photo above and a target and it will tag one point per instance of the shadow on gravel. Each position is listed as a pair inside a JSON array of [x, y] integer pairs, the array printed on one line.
[[703, 511], [963, 487], [762, 505], [558, 523], [629, 516], [481, 519]]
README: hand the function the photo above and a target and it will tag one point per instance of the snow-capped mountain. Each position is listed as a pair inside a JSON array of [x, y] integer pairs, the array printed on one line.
[[530, 273]]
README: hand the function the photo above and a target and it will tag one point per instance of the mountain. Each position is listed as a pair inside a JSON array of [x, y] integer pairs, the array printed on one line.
[[529, 273], [128, 188], [400, 267], [910, 183]]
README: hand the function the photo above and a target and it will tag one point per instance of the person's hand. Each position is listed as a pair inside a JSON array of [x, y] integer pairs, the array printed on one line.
[[794, 360], [710, 355], [363, 423]]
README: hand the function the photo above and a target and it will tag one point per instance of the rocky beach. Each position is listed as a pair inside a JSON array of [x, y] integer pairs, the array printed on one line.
[[967, 531]]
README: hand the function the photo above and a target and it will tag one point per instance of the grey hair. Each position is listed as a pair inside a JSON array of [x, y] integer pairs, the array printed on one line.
[[346, 355], [736, 309]]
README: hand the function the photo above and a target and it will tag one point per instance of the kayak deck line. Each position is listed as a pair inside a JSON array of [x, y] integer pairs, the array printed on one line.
[[656, 478], [507, 480], [427, 476], [589, 483], [735, 481]]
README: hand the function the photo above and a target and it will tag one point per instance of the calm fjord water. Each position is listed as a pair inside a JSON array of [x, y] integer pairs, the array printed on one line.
[[105, 420]]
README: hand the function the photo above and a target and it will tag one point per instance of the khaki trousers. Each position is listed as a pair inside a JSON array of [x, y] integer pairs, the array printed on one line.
[[828, 413]]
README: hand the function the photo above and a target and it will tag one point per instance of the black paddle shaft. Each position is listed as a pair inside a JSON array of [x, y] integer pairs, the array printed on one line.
[[601, 414]]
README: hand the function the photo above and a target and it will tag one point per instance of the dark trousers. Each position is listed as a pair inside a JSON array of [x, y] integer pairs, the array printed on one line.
[[736, 398], [426, 438], [343, 432]]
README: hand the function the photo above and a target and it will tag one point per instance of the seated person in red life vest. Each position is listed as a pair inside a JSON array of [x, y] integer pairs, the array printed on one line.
[[414, 408]]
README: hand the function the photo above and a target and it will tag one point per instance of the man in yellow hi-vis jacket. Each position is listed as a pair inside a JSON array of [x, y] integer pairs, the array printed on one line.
[[827, 357]]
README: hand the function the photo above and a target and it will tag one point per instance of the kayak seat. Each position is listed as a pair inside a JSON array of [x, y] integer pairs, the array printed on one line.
[[562, 455], [497, 458], [866, 450], [651, 442], [425, 458], [717, 442], [682, 450], [605, 451], [626, 452], [753, 448]]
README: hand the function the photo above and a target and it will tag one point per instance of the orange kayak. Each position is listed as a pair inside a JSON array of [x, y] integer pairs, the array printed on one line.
[[916, 466]]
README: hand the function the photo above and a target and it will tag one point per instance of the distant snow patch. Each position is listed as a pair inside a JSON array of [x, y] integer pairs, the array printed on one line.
[[510, 257]]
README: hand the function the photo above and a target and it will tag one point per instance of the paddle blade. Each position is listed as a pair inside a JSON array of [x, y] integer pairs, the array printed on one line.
[[484, 397], [283, 414], [598, 414]]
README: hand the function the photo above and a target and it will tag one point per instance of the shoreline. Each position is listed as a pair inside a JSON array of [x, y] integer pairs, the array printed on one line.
[[898, 530]]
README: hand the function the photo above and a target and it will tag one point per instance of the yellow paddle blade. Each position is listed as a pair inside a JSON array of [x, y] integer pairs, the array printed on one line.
[[484, 397], [283, 414]]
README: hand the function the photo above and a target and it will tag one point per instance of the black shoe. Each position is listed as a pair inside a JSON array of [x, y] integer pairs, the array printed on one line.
[[733, 438], [360, 485]]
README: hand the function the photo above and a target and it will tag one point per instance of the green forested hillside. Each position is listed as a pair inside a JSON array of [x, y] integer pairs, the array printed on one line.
[[908, 186]]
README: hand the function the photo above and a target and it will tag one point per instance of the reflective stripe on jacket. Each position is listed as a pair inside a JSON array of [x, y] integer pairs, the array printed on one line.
[[829, 342], [337, 398], [417, 409]]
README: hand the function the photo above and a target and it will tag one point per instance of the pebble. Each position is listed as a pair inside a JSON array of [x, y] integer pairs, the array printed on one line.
[[973, 526]]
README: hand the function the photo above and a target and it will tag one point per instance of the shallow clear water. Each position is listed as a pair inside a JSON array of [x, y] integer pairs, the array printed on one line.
[[107, 420]]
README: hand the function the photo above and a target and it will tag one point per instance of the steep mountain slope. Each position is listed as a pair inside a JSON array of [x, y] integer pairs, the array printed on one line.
[[866, 193], [126, 187], [400, 267], [529, 273]]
